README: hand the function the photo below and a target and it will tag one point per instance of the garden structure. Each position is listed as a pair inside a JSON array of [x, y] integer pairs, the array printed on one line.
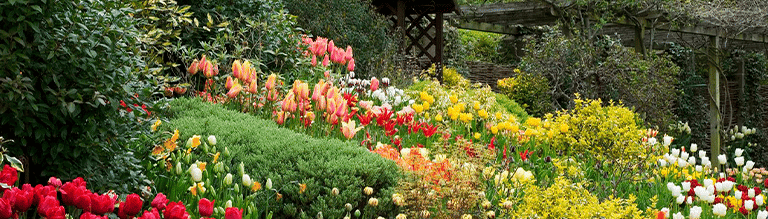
[[417, 24], [644, 29]]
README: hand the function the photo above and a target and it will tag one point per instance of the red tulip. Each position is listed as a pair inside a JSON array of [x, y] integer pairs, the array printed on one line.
[[46, 204], [102, 204], [175, 210], [88, 215], [160, 201], [154, 214], [348, 54], [22, 199], [41, 192], [233, 213], [132, 205], [205, 207], [8, 176], [71, 191], [55, 212], [84, 202], [53, 181], [351, 65]]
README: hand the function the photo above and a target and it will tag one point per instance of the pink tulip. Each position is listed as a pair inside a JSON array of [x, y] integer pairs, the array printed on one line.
[[374, 83], [325, 61], [234, 91], [351, 65], [229, 83], [331, 46], [348, 55], [253, 87], [314, 60]]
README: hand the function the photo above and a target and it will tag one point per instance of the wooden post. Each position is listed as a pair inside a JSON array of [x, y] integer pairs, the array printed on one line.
[[714, 99], [401, 23], [640, 36], [439, 45]]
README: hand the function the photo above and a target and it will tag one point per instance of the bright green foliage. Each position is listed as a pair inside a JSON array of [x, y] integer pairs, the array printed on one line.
[[349, 22], [529, 89], [286, 156], [481, 46], [511, 106], [61, 82]]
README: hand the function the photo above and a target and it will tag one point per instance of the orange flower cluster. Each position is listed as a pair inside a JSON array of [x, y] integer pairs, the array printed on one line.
[[414, 161]]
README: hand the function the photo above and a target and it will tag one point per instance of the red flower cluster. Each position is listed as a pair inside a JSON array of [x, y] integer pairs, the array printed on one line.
[[8, 176]]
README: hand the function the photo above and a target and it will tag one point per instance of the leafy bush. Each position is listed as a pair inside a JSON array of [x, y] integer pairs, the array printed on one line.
[[511, 106], [285, 156], [481, 46], [65, 64], [530, 90], [604, 69], [350, 22]]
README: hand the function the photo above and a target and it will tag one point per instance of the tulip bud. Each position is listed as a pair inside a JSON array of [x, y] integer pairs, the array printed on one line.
[[237, 188], [241, 169], [368, 190], [228, 179], [186, 158], [348, 206], [373, 202], [269, 183], [357, 213], [335, 191], [226, 152], [219, 167], [320, 215], [178, 168], [490, 214]]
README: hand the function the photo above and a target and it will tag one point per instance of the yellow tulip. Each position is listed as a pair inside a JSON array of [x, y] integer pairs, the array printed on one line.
[[476, 105], [438, 118], [454, 99], [483, 114], [477, 135]]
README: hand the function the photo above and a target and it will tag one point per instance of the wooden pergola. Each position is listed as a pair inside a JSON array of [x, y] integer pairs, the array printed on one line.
[[409, 18], [641, 33]]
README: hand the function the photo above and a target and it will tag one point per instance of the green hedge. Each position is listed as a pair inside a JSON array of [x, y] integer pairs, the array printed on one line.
[[283, 155]]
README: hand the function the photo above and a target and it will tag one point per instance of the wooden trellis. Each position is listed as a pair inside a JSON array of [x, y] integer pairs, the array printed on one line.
[[420, 26]]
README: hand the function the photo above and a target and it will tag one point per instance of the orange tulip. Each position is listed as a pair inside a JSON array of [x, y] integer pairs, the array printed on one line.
[[237, 68], [280, 117], [271, 81], [253, 87], [229, 83], [349, 129], [234, 91], [192, 70]]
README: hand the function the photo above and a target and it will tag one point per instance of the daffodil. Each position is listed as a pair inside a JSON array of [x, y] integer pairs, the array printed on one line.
[[438, 118]]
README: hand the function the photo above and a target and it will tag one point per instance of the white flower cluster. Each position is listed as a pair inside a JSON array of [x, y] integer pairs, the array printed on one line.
[[374, 88], [680, 127], [683, 159]]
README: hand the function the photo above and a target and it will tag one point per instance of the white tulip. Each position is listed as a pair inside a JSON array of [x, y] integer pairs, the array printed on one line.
[[228, 179], [694, 147], [719, 187], [750, 164], [662, 163], [737, 193], [675, 152], [739, 161], [762, 214], [678, 215], [702, 154], [269, 183], [708, 182], [676, 191], [652, 141], [668, 140], [212, 140], [749, 205], [680, 199], [698, 167], [695, 212], [686, 186], [692, 160], [719, 209], [681, 163], [247, 181], [197, 174], [700, 192], [738, 152], [739, 135], [666, 212], [689, 200], [721, 159], [711, 189], [684, 155], [751, 192], [759, 200]]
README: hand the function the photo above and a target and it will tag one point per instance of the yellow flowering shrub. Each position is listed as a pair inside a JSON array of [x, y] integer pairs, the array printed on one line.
[[609, 132], [451, 78], [564, 199]]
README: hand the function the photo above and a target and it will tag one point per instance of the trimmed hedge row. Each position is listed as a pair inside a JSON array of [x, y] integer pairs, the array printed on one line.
[[285, 156]]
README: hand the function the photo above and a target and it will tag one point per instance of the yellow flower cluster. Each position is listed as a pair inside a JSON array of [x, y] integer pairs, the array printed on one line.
[[565, 199]]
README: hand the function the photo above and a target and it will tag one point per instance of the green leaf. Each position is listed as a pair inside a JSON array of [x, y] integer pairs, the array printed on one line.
[[15, 163], [5, 186], [71, 107], [37, 8]]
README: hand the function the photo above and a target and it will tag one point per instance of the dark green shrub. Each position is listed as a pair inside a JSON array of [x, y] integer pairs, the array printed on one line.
[[61, 83], [530, 90], [481, 46], [349, 22], [286, 156], [604, 69]]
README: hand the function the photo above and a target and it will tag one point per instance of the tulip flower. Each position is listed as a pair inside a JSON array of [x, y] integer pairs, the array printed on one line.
[[160, 201], [348, 54], [269, 183], [205, 207], [349, 129], [351, 65], [234, 91], [668, 140], [325, 61], [695, 212], [132, 205], [739, 161], [719, 209], [271, 82], [762, 214], [233, 213], [721, 159], [193, 69]]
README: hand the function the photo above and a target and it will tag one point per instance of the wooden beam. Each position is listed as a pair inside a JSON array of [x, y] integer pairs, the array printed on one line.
[[714, 99], [488, 27]]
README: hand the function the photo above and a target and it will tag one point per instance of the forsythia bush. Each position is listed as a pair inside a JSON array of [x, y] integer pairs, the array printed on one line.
[[603, 132], [565, 199]]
